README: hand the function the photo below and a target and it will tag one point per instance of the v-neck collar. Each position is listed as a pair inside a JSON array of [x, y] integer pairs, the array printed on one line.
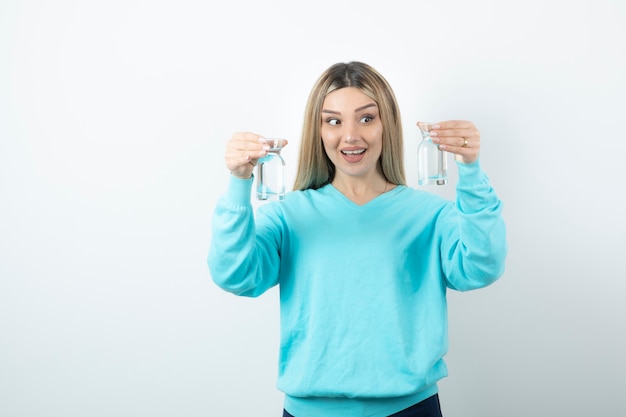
[[371, 203]]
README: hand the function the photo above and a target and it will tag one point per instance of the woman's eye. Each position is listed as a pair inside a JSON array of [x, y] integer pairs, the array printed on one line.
[[366, 119], [333, 122]]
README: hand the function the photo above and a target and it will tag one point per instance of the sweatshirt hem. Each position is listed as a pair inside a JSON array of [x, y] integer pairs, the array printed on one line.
[[354, 407]]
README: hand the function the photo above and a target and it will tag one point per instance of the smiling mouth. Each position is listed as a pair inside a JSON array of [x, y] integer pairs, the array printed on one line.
[[353, 152]]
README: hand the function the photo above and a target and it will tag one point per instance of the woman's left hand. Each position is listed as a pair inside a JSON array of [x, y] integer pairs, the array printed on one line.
[[459, 137]]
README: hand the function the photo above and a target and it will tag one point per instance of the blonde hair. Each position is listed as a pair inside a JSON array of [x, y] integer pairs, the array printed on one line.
[[315, 169]]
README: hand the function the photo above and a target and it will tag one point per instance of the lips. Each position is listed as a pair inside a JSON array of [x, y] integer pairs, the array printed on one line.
[[353, 154]]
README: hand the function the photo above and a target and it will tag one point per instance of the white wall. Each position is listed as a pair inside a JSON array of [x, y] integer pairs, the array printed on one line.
[[113, 119]]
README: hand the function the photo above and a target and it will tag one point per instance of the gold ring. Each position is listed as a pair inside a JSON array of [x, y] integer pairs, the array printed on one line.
[[464, 143]]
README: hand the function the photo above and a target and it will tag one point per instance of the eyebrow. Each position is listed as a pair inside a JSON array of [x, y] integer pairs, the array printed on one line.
[[358, 109]]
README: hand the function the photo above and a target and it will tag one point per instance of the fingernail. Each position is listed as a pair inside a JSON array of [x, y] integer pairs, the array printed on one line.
[[266, 147], [262, 140], [435, 126], [433, 133]]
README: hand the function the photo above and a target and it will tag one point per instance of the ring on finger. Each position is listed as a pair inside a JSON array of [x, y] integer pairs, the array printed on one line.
[[464, 143]]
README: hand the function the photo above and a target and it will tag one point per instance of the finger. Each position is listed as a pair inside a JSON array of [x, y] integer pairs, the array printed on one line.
[[248, 145], [243, 150], [255, 142], [246, 136], [462, 138], [453, 124], [241, 167], [247, 148], [455, 129], [244, 156], [466, 141], [455, 133], [465, 152], [246, 141], [235, 162], [458, 139]]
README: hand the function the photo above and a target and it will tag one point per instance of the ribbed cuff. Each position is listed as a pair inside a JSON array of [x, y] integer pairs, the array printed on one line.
[[239, 190], [470, 174]]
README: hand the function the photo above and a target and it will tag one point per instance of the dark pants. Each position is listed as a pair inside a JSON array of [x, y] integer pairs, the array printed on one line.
[[428, 408]]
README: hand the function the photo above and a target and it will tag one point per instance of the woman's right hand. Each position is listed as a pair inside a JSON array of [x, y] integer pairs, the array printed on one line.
[[243, 150]]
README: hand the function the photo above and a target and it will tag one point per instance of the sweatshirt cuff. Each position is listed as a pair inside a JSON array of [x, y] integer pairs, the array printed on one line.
[[470, 174], [239, 190]]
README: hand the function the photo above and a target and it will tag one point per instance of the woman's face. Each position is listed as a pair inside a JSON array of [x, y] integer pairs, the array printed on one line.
[[352, 132]]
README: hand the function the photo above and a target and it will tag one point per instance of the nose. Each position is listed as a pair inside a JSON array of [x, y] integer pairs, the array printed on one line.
[[351, 133]]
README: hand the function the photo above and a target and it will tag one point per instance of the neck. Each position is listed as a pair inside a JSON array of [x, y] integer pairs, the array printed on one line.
[[361, 191]]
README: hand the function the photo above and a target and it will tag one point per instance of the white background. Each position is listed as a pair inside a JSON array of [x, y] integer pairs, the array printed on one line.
[[113, 119]]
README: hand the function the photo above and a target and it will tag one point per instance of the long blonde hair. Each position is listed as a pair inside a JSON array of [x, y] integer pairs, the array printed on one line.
[[315, 169]]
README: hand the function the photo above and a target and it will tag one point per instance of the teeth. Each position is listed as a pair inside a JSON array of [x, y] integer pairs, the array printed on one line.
[[355, 152]]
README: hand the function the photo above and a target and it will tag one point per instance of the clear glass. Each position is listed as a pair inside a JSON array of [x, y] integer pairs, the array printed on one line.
[[432, 163], [271, 173]]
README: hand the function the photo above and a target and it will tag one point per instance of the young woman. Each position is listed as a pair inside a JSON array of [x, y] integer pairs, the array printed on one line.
[[362, 261]]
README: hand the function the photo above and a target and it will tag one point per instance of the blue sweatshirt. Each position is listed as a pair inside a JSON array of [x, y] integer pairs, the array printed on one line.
[[362, 288]]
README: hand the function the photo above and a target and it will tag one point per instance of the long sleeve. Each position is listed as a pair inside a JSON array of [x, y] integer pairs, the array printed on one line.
[[473, 255], [355, 280], [241, 261]]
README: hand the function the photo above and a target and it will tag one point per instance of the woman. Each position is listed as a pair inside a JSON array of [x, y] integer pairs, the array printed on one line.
[[362, 261]]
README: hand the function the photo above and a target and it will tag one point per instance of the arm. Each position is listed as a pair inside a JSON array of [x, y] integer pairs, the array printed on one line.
[[473, 235], [473, 245], [242, 260]]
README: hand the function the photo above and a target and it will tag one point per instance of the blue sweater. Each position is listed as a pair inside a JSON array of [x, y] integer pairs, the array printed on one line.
[[362, 288]]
